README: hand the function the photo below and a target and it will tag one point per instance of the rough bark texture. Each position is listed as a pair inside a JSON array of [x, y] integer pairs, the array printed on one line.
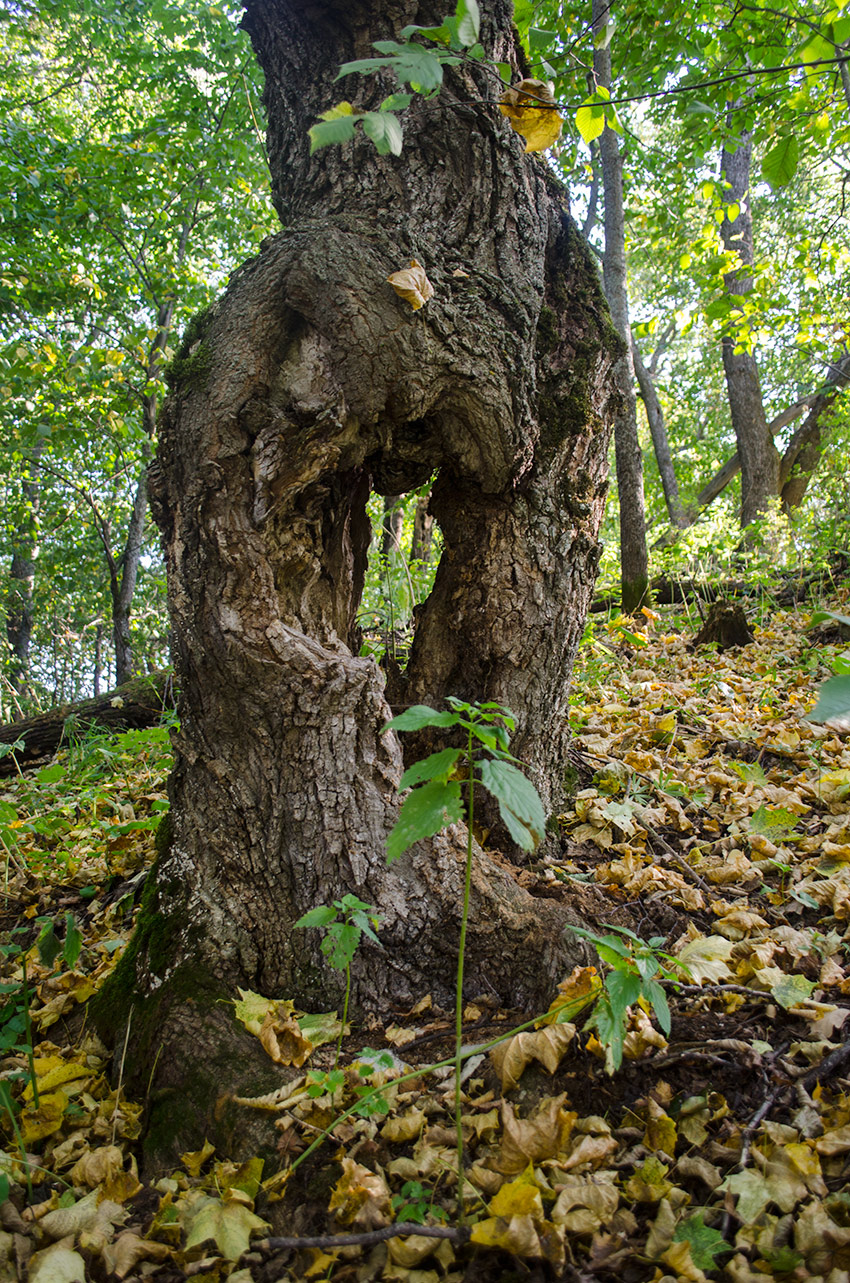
[[727, 625], [634, 558], [757, 452], [310, 383]]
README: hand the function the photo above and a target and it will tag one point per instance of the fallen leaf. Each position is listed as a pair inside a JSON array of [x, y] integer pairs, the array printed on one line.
[[360, 1197], [412, 284]]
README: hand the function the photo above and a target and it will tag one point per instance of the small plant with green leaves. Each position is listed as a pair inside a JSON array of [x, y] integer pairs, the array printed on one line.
[[345, 923], [634, 969], [414, 1202], [413, 64], [436, 800]]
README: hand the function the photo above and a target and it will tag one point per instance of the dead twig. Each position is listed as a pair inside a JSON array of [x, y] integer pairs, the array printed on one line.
[[456, 1234]]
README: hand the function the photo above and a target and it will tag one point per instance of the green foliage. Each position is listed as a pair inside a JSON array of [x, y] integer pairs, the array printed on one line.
[[435, 800], [413, 64], [633, 965], [833, 700], [345, 922]]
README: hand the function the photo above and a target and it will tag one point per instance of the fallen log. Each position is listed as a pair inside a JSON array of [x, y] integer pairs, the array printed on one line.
[[137, 704]]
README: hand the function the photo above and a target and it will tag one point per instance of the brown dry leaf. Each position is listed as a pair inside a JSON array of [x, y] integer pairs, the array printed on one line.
[[97, 1165], [360, 1197], [398, 1035], [589, 1153], [412, 284], [410, 1251], [585, 1203], [547, 1046], [825, 1245], [530, 107], [692, 1167], [544, 1134], [641, 1035], [128, 1250], [404, 1127], [283, 1040]]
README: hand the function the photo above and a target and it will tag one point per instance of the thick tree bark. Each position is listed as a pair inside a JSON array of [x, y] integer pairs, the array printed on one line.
[[634, 559], [756, 450], [310, 383]]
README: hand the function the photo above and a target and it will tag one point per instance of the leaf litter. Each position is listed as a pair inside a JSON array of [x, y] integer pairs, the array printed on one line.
[[708, 813]]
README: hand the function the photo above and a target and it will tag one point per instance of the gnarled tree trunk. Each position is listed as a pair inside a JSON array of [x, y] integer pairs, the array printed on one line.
[[309, 384]]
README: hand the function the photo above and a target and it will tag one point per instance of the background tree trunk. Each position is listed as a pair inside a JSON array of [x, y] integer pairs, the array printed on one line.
[[634, 558], [756, 450], [312, 382], [20, 611]]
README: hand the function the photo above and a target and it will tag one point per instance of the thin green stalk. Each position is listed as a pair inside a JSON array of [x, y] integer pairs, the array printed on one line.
[[6, 1101], [470, 820], [344, 1013], [28, 1028], [420, 1072]]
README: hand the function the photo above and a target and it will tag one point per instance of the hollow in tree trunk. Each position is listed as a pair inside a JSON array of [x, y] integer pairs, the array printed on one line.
[[310, 384]]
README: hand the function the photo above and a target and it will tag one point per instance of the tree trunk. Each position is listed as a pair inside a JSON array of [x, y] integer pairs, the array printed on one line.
[[634, 558], [423, 531], [757, 452], [803, 452], [660, 442], [19, 618], [308, 384]]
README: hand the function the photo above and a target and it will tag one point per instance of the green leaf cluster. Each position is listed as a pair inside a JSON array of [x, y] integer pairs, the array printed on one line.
[[412, 63], [633, 965], [436, 782]]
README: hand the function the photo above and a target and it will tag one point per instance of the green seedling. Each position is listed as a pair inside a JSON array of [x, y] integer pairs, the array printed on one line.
[[633, 965], [345, 923], [436, 800]]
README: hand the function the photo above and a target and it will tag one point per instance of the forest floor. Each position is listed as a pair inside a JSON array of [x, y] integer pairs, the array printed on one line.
[[710, 819]]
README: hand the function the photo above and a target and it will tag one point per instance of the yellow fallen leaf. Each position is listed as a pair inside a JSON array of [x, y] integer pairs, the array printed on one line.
[[229, 1225], [194, 1160], [530, 107], [58, 1263], [412, 284], [36, 1124]]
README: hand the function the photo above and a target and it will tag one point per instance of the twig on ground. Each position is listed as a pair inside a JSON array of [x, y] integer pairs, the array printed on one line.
[[457, 1234]]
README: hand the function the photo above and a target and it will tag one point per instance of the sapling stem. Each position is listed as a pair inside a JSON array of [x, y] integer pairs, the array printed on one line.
[[470, 820], [6, 1101], [344, 1014], [25, 989]]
